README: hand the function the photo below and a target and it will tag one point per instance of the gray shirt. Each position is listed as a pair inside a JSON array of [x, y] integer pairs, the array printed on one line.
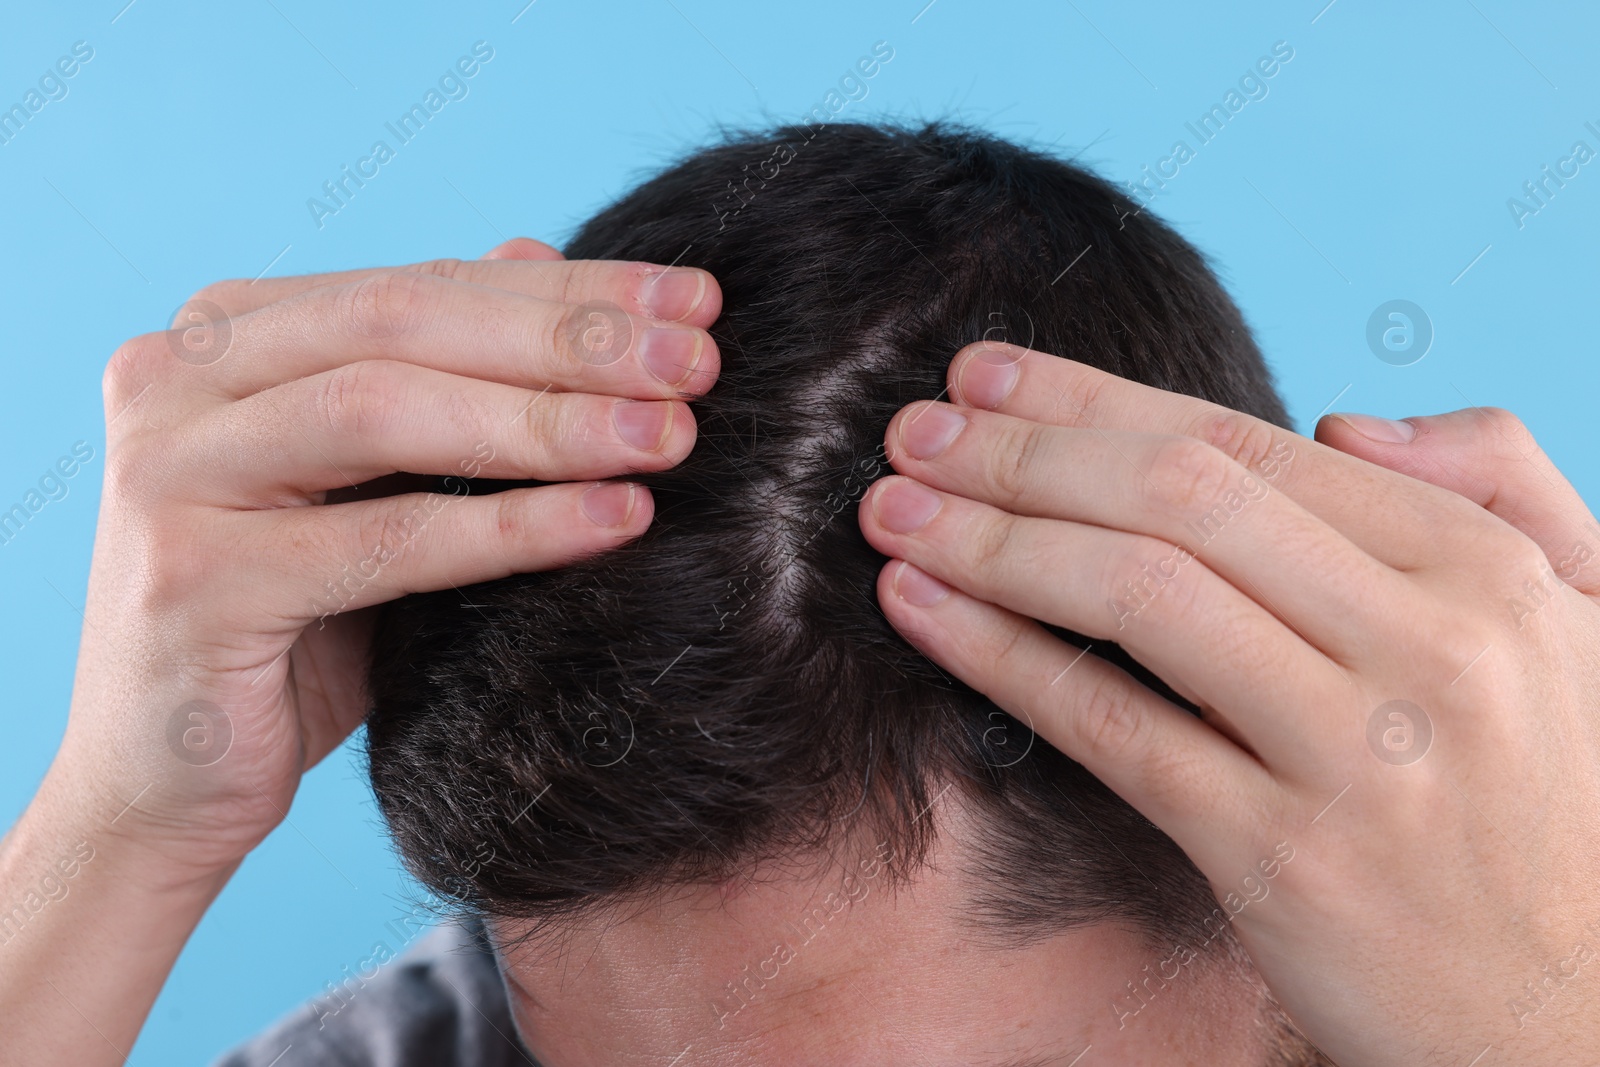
[[439, 1004]]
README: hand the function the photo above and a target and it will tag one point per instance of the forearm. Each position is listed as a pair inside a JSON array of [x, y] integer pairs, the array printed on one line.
[[90, 926]]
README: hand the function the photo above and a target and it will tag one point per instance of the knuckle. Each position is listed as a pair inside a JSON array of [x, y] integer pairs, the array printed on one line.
[[1008, 651], [1448, 640], [381, 534], [1458, 647], [1173, 604], [1138, 572], [358, 399], [447, 267], [564, 421], [535, 422], [1166, 779], [1084, 387], [994, 544], [514, 532], [1509, 434], [572, 284], [575, 336], [1187, 476], [1107, 723], [510, 519], [1236, 638], [1095, 392], [580, 424], [385, 306], [593, 281], [1524, 558], [1519, 567], [1023, 448], [132, 367], [224, 294], [131, 464], [1246, 440]]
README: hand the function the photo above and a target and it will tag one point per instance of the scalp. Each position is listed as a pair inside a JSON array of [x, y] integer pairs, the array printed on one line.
[[725, 690]]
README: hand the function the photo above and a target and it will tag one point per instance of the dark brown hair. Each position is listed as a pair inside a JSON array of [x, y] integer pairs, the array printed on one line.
[[725, 689]]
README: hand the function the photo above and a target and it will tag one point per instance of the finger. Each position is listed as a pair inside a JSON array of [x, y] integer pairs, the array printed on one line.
[[313, 562], [365, 420], [463, 329], [1182, 775], [1172, 488], [1173, 614], [1489, 457], [1385, 515], [672, 294], [524, 248]]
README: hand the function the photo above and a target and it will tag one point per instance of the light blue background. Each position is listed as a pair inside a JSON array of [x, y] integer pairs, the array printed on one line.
[[1378, 167]]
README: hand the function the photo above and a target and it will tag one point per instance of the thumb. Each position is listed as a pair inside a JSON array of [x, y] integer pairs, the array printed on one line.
[[1488, 456]]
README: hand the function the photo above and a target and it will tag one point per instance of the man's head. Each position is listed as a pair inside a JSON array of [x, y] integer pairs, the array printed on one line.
[[704, 791]]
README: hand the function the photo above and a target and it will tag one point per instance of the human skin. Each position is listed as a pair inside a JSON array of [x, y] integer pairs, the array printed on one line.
[[832, 965], [1440, 908], [217, 543], [1394, 934]]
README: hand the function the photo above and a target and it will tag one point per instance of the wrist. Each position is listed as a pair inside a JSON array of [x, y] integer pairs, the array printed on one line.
[[54, 860], [86, 909], [103, 821]]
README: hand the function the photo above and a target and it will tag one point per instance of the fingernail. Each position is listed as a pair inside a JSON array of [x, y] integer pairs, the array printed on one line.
[[673, 294], [916, 586], [1373, 428], [905, 506], [608, 503], [642, 423], [987, 377], [670, 354], [929, 430]]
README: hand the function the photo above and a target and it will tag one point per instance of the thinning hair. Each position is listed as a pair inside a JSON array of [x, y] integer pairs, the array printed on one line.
[[725, 691]]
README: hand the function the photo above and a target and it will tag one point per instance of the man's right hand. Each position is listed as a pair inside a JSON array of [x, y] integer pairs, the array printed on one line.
[[241, 536], [224, 645]]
